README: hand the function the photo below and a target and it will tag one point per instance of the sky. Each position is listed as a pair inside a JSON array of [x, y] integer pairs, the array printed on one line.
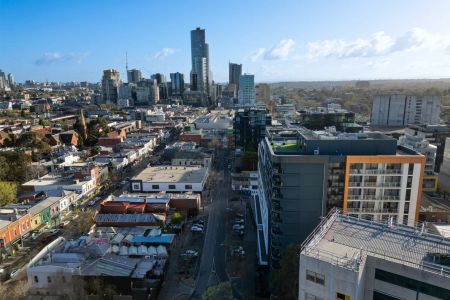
[[277, 40]]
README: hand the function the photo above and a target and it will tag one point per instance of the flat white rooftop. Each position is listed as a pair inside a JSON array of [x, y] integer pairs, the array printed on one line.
[[172, 174]]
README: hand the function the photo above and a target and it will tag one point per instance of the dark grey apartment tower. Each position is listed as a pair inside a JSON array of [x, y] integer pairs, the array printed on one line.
[[234, 72], [177, 84], [134, 76], [200, 60]]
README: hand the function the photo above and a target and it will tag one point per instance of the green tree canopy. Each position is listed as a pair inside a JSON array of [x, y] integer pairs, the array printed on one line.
[[221, 291], [8, 192]]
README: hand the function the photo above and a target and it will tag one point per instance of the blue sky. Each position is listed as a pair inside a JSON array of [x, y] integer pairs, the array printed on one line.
[[276, 40]]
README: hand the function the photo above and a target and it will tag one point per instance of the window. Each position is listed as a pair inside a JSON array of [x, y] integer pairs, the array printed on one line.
[[410, 169], [36, 279], [136, 186], [315, 277], [340, 296], [171, 186], [188, 186], [155, 186], [408, 195], [35, 222], [309, 296], [49, 279], [64, 279]]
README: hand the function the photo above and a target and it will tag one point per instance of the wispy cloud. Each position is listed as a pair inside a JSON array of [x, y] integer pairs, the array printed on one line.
[[279, 51], [50, 58], [379, 44], [257, 54], [163, 53]]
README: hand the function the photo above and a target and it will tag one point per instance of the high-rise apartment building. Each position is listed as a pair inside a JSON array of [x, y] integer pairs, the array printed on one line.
[[234, 73], [350, 258], [263, 92], [160, 78], [177, 83], [11, 81], [249, 127], [134, 76], [200, 73], [303, 174], [246, 92], [110, 86], [402, 110]]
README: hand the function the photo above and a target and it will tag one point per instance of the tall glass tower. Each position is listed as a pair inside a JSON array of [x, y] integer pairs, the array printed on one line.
[[200, 61]]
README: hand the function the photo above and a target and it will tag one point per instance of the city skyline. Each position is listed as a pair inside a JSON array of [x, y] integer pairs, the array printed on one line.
[[52, 43]]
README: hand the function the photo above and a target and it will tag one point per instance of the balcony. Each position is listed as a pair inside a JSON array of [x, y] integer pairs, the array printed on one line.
[[373, 210], [390, 198]]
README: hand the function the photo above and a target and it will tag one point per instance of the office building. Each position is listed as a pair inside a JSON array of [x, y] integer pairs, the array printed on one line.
[[110, 86], [349, 258], [177, 84], [134, 76], [246, 91], [263, 92], [318, 118], [126, 91], [234, 73], [435, 134], [249, 127], [303, 174], [144, 92], [402, 110], [200, 73], [163, 91], [3, 81], [160, 78], [170, 179], [11, 81]]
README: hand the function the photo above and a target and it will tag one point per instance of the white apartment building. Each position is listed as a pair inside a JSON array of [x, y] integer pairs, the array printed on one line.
[[384, 187], [401, 110]]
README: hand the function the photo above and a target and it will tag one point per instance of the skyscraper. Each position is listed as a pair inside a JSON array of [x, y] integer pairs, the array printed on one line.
[[263, 93], [110, 86], [134, 76], [177, 83], [3, 81], [234, 72], [200, 61], [160, 78], [246, 94]]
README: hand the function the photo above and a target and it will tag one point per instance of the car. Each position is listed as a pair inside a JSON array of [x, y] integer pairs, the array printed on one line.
[[239, 251], [190, 253], [54, 231], [234, 199], [74, 217], [238, 227], [123, 182], [198, 225], [64, 224], [202, 222], [239, 215], [14, 273], [91, 203], [238, 232], [196, 229], [238, 221]]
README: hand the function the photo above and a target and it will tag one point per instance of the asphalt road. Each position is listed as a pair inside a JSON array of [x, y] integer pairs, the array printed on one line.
[[212, 264]]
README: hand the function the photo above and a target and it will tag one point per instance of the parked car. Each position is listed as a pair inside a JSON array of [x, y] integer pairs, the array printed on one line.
[[239, 251], [64, 224], [14, 273], [74, 217], [239, 215], [123, 182], [238, 232], [238, 221], [54, 231], [190, 253], [238, 227], [199, 225], [202, 222], [91, 203], [196, 229]]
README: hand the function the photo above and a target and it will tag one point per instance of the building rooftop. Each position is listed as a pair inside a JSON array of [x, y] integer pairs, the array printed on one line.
[[163, 174], [346, 241]]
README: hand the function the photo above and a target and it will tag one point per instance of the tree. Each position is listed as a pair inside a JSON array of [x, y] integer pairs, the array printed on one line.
[[20, 162], [8, 193], [221, 291], [285, 280], [177, 217], [82, 224]]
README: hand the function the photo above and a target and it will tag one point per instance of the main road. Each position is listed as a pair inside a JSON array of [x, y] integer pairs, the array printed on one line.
[[212, 264]]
